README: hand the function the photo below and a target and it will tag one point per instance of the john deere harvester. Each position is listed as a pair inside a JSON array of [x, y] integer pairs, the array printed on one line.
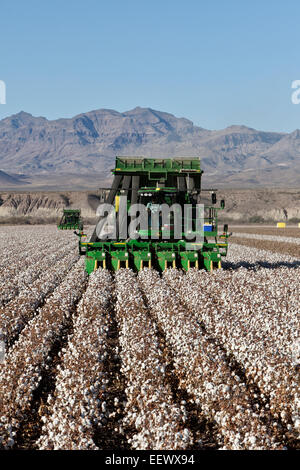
[[71, 220], [154, 217]]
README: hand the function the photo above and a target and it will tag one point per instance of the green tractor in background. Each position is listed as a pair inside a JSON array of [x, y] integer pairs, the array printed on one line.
[[71, 220], [151, 183]]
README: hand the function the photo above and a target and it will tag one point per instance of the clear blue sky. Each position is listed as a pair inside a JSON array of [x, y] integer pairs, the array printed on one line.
[[215, 62]]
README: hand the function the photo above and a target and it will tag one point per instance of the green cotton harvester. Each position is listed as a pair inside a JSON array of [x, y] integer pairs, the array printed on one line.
[[178, 239], [71, 220]]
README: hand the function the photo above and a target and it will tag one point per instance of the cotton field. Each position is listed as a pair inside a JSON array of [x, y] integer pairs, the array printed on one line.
[[123, 361]]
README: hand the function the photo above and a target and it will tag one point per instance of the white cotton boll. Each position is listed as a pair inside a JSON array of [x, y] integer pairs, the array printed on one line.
[[297, 423], [252, 440]]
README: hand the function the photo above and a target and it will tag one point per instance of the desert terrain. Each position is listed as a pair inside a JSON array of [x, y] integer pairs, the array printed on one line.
[[266, 206]]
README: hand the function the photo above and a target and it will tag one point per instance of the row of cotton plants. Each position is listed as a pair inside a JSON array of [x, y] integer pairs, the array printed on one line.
[[29, 358], [255, 316], [19, 244], [16, 313], [204, 372], [272, 238], [15, 241], [254, 258], [150, 408], [28, 270], [78, 404]]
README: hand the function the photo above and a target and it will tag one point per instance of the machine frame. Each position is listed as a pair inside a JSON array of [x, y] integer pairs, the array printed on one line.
[[133, 176]]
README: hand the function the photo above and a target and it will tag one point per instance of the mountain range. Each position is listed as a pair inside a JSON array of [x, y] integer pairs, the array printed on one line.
[[79, 152]]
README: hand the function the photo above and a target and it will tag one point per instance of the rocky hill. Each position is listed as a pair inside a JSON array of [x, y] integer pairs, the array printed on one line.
[[241, 205], [79, 152]]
